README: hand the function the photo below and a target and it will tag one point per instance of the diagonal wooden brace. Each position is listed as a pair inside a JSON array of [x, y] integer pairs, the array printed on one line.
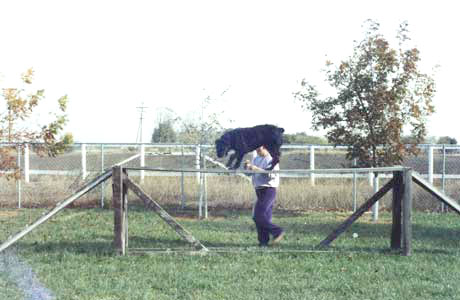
[[359, 212], [149, 202]]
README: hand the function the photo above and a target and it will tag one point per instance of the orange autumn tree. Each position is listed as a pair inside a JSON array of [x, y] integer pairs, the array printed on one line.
[[380, 91], [16, 124]]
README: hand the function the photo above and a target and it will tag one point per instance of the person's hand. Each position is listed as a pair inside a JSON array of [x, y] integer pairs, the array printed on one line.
[[247, 165]]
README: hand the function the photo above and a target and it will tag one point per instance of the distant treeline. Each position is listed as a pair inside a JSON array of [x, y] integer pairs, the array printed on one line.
[[303, 138], [165, 132]]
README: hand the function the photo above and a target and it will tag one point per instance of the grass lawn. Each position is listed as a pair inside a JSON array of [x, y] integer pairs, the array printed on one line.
[[72, 257]]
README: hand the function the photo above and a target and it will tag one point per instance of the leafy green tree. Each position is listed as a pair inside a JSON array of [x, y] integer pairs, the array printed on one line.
[[380, 91], [164, 132], [16, 127], [447, 140], [303, 138]]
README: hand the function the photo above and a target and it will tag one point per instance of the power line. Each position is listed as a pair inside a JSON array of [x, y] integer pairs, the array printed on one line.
[[141, 118]]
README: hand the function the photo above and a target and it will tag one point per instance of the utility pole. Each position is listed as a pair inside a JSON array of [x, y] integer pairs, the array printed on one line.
[[139, 130]]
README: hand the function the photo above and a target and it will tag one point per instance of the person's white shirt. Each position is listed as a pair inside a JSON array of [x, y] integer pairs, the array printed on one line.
[[265, 180]]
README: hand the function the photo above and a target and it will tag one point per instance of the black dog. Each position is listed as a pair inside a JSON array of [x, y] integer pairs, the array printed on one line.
[[244, 140]]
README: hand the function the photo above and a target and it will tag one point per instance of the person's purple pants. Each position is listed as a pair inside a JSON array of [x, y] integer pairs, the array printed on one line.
[[263, 215]]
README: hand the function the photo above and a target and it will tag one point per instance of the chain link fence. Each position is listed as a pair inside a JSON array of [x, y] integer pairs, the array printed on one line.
[[47, 180]]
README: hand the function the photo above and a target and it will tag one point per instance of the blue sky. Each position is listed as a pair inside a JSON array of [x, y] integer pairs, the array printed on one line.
[[111, 56]]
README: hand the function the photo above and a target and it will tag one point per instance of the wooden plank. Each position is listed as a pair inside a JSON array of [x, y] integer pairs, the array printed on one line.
[[396, 210], [435, 192], [284, 171], [407, 212], [118, 212], [360, 211], [61, 205], [149, 202], [125, 209], [217, 163]]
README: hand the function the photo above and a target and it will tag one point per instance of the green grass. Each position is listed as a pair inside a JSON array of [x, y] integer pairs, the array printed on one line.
[[72, 256]]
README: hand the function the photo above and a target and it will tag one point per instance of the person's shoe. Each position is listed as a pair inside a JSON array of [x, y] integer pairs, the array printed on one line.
[[263, 245], [278, 238]]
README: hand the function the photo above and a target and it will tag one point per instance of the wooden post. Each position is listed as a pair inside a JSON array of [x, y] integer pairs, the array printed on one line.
[[406, 211], [102, 170], [119, 211], [125, 208], [396, 209]]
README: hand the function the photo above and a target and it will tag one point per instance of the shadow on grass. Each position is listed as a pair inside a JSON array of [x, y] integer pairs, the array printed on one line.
[[302, 234], [221, 211], [83, 247]]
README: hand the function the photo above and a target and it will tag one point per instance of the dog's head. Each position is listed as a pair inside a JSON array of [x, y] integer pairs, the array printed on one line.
[[222, 147]]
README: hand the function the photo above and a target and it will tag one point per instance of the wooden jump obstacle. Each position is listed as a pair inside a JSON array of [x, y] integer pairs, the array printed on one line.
[[400, 184], [121, 184], [401, 232]]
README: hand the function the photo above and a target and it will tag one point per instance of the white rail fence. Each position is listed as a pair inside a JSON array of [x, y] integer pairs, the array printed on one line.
[[432, 155], [195, 150]]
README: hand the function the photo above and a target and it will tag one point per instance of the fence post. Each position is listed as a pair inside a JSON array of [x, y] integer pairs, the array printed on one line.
[[430, 164], [354, 189], [407, 210], [375, 207], [18, 182], [370, 177], [102, 170], [119, 209], [83, 161], [396, 210], [312, 164], [26, 163], [443, 208], [142, 162], [197, 163], [205, 188], [182, 192], [200, 199]]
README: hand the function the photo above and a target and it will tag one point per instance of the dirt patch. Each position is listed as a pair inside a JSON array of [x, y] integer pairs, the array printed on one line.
[[8, 214]]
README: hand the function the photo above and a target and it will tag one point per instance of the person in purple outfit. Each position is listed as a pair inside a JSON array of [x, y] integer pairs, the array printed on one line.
[[265, 186]]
